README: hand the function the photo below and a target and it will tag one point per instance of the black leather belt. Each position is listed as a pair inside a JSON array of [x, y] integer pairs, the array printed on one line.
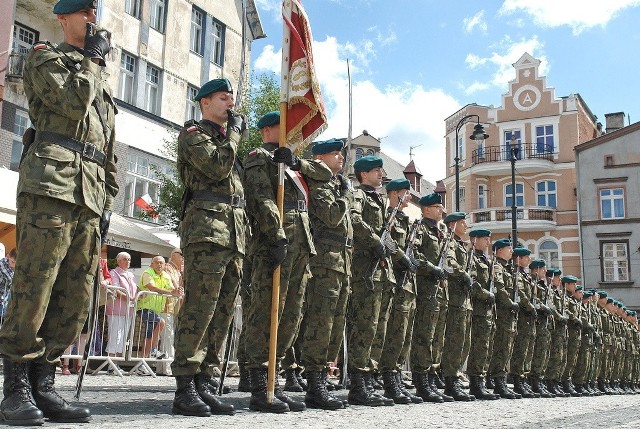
[[336, 238], [232, 200], [86, 149], [300, 205]]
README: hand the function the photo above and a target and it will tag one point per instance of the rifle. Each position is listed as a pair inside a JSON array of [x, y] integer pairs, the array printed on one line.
[[386, 240], [442, 259], [469, 263], [492, 285], [516, 277], [548, 302], [410, 243]]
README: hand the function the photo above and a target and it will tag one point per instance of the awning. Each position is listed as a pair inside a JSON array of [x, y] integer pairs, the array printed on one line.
[[127, 235]]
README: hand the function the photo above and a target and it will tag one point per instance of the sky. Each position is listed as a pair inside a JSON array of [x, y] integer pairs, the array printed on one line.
[[415, 62]]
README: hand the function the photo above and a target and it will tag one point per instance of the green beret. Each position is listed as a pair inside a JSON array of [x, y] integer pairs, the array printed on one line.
[[619, 304], [367, 163], [480, 233], [215, 85], [269, 120], [398, 185], [537, 263], [569, 279], [553, 272], [602, 293], [587, 294], [70, 6], [327, 146], [578, 288], [521, 251], [503, 242], [431, 199], [454, 217], [610, 300]]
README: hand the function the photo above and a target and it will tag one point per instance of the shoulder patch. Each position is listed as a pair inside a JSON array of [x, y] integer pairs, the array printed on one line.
[[40, 45], [192, 128], [253, 152]]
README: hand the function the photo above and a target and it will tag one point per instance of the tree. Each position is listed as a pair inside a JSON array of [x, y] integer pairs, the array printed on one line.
[[262, 95]]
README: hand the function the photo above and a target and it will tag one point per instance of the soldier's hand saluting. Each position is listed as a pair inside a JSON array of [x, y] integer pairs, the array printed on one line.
[[96, 43]]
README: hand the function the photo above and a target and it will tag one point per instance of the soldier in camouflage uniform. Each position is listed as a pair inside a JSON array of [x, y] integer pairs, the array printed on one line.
[[507, 317], [544, 322], [329, 204], [526, 330], [399, 301], [288, 245], [558, 348], [372, 272], [458, 322], [66, 188], [583, 365], [430, 278], [574, 324], [212, 234], [607, 342]]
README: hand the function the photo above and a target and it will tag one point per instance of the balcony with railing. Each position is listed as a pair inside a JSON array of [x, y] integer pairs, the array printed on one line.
[[494, 160], [15, 67], [529, 218]]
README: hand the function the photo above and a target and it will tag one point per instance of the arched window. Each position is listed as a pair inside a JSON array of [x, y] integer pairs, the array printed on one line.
[[548, 250], [370, 152], [359, 153]]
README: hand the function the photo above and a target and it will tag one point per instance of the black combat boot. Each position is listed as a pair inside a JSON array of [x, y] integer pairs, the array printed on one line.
[[424, 390], [439, 379], [501, 389], [359, 394], [293, 404], [18, 406], [210, 397], [392, 390], [301, 380], [291, 383], [414, 399], [376, 381], [489, 382], [244, 384], [42, 376], [476, 388], [454, 389], [518, 387], [187, 402], [330, 384], [368, 382], [526, 386], [258, 400], [434, 382], [538, 387], [317, 395], [559, 390], [567, 387]]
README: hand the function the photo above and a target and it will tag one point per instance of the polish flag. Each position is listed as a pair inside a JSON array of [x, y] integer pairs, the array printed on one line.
[[146, 203]]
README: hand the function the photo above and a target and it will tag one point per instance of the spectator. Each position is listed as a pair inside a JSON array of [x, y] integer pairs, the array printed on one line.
[[174, 269], [7, 267], [154, 279], [120, 305]]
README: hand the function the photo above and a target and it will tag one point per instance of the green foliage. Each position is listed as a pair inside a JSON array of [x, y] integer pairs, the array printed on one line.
[[261, 96]]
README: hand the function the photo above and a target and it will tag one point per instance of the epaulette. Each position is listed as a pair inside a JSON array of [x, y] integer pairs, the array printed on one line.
[[191, 125], [253, 152], [40, 45]]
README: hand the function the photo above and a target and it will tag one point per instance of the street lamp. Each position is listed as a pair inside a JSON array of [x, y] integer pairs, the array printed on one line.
[[478, 135], [514, 209]]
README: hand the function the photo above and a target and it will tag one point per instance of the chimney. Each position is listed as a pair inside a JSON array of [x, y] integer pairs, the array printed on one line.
[[614, 121]]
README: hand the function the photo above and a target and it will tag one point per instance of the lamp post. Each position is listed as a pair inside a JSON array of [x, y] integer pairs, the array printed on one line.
[[514, 208], [478, 135]]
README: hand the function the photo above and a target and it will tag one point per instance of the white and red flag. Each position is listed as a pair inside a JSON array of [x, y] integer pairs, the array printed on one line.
[[146, 203]]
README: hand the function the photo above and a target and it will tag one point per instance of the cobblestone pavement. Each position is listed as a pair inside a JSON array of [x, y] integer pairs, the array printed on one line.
[[145, 402]]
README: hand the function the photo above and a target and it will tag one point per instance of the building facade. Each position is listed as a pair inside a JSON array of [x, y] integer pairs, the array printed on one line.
[[541, 131], [164, 51], [608, 178]]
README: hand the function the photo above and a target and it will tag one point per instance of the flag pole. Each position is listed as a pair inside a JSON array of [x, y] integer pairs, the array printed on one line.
[[275, 291]]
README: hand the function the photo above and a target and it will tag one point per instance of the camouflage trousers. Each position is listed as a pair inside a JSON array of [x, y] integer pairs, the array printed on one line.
[[291, 358], [426, 319], [503, 342], [482, 330], [398, 338], [338, 330], [245, 301], [439, 334], [294, 274], [583, 365], [541, 351], [324, 316], [573, 348], [210, 272], [58, 245], [558, 350], [458, 335], [523, 345], [383, 319]]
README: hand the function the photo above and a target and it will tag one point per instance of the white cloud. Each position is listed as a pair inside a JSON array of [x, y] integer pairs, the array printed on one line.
[[476, 21], [580, 15], [403, 116], [501, 61]]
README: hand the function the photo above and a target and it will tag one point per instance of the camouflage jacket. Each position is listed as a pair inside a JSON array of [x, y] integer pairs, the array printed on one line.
[[368, 216], [574, 312], [207, 162], [480, 289], [459, 296], [525, 291], [504, 285], [330, 222], [399, 233], [607, 327], [430, 241], [65, 93], [261, 185]]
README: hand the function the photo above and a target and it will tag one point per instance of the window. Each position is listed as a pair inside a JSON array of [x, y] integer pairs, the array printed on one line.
[[218, 43], [158, 14], [548, 251], [196, 31], [460, 148], [512, 140], [480, 150], [482, 196], [508, 199], [612, 203], [544, 139], [152, 90], [192, 110], [126, 90], [370, 152], [20, 124], [23, 38], [462, 199], [141, 180], [132, 7], [359, 153], [546, 193], [615, 262]]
